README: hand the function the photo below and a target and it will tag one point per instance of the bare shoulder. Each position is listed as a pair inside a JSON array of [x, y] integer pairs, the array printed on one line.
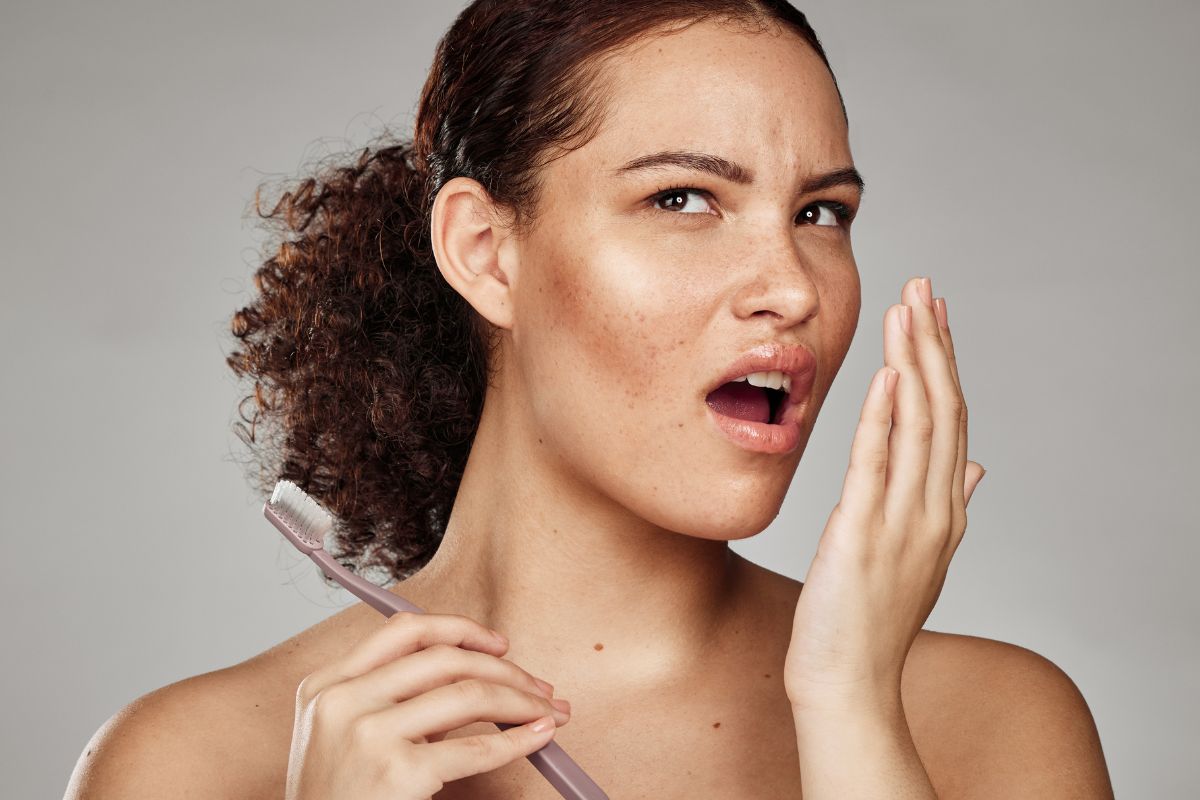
[[994, 719], [989, 719], [167, 742]]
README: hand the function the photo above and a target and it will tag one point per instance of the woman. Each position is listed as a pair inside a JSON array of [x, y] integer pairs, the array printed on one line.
[[613, 211]]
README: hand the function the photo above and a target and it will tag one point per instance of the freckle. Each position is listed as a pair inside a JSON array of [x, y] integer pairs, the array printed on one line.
[[716, 724], [539, 440], [766, 674], [598, 646]]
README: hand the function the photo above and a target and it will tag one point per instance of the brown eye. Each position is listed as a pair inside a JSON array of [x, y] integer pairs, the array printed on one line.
[[836, 214], [676, 199]]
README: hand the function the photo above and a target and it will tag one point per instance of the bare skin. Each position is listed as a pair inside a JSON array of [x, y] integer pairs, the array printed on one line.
[[593, 520], [725, 731], [722, 729]]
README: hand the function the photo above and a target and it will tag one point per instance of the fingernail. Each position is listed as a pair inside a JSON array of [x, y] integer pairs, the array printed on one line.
[[925, 289], [939, 309], [889, 381], [906, 319], [561, 705], [547, 688]]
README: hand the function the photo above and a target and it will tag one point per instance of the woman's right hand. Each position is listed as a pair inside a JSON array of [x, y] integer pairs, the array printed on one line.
[[371, 725]]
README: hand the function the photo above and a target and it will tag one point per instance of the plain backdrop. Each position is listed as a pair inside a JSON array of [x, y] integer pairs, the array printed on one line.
[[1037, 159]]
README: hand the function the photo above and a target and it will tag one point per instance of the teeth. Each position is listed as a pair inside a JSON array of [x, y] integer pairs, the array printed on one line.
[[771, 380]]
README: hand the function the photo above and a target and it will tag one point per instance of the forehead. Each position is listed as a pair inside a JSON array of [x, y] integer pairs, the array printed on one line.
[[764, 99]]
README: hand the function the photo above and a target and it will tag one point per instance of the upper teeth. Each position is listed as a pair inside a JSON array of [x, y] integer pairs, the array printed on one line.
[[772, 380]]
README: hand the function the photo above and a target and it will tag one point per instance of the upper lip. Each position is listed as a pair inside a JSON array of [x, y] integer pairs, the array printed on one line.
[[793, 360]]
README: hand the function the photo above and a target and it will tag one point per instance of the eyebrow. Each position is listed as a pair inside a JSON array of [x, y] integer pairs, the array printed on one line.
[[731, 171]]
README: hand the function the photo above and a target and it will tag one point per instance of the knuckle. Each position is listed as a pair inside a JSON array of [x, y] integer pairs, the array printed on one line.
[[365, 731], [873, 463], [479, 748], [448, 660], [401, 618], [466, 621], [442, 651], [325, 703], [955, 407], [307, 689], [951, 544], [469, 625], [520, 675], [940, 524], [473, 690]]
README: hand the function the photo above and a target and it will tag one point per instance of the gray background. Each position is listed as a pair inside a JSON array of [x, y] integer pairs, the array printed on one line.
[[1037, 159]]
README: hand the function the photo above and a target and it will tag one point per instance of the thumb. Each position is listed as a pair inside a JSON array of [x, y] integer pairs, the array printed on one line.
[[974, 474]]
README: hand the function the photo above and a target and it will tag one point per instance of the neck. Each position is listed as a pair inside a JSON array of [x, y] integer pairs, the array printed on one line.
[[569, 575]]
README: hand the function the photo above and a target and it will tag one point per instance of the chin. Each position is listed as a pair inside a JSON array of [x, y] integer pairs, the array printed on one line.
[[729, 521]]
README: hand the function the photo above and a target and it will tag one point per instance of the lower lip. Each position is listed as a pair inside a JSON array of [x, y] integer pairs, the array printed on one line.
[[761, 437]]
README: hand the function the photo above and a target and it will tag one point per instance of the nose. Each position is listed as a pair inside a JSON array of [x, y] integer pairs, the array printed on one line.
[[779, 285]]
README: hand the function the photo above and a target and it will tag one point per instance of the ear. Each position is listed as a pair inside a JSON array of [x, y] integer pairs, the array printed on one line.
[[467, 238]]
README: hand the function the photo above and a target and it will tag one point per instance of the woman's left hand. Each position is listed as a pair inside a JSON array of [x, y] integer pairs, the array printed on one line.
[[882, 558]]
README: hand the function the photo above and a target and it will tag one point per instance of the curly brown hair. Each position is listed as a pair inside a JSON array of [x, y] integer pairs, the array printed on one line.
[[368, 368]]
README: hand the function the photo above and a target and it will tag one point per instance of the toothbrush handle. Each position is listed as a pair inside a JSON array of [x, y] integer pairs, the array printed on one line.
[[551, 760], [378, 598]]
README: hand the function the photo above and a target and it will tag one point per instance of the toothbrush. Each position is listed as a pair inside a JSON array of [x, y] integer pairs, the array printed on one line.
[[304, 523]]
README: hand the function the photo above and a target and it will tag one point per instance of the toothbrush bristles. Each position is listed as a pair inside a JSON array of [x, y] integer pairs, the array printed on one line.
[[302, 514]]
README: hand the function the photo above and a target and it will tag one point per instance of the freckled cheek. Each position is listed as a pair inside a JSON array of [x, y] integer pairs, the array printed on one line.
[[840, 308], [619, 331]]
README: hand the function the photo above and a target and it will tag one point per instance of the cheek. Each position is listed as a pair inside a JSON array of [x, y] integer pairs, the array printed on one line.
[[844, 305], [841, 303], [618, 326]]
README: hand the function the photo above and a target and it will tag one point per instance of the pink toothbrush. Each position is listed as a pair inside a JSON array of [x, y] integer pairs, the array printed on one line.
[[304, 522]]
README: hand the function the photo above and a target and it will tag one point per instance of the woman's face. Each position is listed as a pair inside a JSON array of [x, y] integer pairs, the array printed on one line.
[[630, 303]]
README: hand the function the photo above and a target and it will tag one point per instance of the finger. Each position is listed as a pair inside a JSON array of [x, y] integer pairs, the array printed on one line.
[[958, 499], [974, 474], [423, 671], [945, 402], [459, 758], [403, 633], [908, 442], [863, 488], [939, 305], [454, 705], [975, 480]]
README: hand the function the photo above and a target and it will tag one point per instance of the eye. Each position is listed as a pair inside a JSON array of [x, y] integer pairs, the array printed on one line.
[[837, 213], [674, 194]]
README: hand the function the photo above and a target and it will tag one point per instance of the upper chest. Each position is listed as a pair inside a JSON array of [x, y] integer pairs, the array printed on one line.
[[715, 736], [740, 746], [724, 732]]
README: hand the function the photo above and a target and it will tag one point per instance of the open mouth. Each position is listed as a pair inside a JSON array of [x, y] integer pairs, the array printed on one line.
[[741, 400]]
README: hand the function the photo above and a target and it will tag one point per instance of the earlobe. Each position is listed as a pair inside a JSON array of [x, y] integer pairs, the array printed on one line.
[[466, 236]]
